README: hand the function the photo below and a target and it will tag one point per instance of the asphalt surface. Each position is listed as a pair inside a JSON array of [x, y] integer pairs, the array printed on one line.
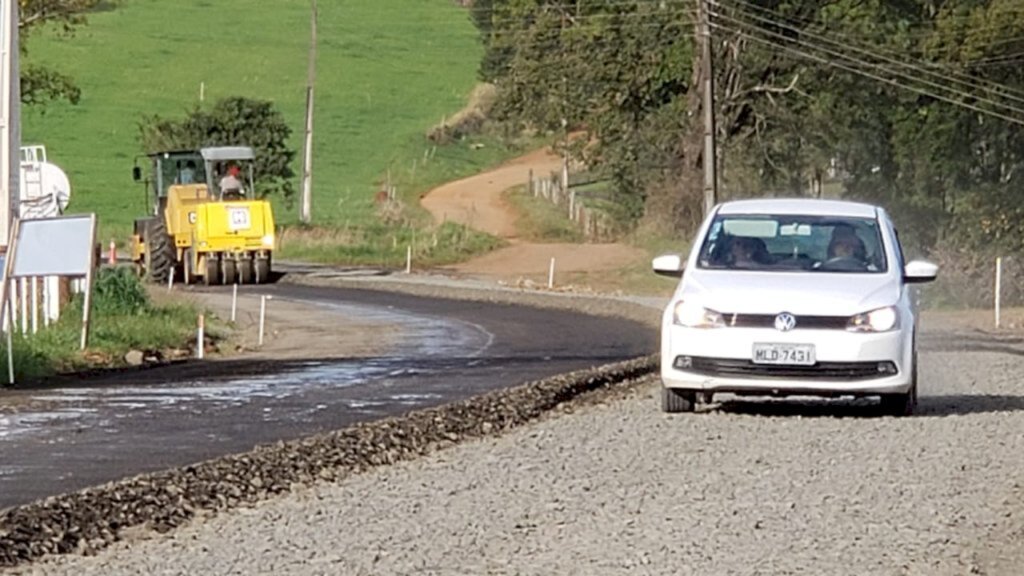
[[449, 350]]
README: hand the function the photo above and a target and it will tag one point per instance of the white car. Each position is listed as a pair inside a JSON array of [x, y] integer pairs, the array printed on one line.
[[792, 297]]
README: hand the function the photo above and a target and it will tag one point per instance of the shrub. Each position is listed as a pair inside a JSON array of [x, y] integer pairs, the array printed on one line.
[[119, 291]]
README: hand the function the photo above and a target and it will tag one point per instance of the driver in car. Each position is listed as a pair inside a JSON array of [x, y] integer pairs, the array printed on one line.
[[847, 247]]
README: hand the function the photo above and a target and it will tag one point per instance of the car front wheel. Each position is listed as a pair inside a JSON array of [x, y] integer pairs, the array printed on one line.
[[902, 404], [673, 400]]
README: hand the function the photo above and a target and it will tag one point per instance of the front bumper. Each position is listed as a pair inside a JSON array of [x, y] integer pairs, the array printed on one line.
[[846, 363]]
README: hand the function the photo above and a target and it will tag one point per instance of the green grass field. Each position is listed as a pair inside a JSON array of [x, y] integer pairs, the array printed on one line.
[[386, 72]]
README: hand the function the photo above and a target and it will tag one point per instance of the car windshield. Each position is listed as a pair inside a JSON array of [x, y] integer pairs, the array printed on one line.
[[793, 243]]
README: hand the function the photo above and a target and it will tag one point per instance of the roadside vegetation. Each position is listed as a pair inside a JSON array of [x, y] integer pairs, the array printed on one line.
[[124, 318]]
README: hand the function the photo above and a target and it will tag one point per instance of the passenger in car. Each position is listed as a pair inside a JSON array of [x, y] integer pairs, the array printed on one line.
[[747, 252]]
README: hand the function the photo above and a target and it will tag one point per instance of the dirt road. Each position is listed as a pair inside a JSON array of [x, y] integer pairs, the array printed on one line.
[[477, 202]]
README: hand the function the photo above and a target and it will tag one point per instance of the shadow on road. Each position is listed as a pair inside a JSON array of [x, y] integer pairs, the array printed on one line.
[[947, 405], [962, 404], [801, 407]]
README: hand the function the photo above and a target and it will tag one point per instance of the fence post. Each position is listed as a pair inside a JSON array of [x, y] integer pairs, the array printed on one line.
[[263, 315], [35, 304], [998, 288], [23, 295]]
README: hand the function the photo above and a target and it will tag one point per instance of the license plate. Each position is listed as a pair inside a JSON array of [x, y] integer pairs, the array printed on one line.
[[238, 219], [791, 354]]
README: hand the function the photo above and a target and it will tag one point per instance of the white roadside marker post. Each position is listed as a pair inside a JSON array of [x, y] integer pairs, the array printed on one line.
[[199, 337], [408, 259], [234, 300], [999, 281], [263, 315], [551, 274]]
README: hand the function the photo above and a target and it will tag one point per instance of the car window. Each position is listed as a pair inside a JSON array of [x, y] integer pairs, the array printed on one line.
[[794, 243]]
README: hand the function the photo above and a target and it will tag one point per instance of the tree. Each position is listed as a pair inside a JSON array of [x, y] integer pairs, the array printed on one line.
[[234, 121], [40, 84]]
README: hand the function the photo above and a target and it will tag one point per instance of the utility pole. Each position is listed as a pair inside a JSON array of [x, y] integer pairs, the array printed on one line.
[[10, 119], [306, 212], [565, 122], [708, 81]]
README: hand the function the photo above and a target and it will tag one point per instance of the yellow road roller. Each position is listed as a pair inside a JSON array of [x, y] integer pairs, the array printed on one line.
[[205, 226]]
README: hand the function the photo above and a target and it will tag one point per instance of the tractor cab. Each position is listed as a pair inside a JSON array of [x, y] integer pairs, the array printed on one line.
[[181, 170], [230, 172]]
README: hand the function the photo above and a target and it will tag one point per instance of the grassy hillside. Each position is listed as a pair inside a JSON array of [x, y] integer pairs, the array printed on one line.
[[386, 71]]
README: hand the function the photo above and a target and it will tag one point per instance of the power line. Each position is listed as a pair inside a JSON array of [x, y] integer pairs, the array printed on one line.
[[832, 52], [947, 73], [864, 73]]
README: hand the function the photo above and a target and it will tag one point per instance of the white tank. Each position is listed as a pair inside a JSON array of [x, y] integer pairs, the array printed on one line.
[[45, 190]]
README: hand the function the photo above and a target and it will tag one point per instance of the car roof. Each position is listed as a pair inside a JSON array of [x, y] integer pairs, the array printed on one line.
[[799, 207]]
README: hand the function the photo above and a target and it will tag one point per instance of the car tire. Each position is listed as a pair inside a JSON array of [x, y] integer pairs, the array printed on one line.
[[673, 400], [903, 404]]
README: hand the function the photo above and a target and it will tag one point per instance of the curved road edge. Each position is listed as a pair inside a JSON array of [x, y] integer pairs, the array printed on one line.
[[92, 519]]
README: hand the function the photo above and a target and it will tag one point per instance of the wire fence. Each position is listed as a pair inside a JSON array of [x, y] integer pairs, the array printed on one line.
[[595, 223]]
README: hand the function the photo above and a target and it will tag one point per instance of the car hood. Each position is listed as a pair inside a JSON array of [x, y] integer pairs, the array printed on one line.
[[802, 293]]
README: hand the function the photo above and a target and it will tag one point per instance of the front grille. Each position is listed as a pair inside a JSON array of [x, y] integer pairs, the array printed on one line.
[[732, 368], [802, 322]]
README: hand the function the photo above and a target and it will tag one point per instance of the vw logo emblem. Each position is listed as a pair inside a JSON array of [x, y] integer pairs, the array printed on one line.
[[785, 322]]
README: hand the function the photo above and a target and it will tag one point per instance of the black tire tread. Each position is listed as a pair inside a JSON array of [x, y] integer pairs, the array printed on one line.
[[673, 401], [261, 270], [162, 255]]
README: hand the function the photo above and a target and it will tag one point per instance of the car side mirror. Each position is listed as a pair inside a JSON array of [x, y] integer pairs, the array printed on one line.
[[669, 265], [136, 173], [919, 272]]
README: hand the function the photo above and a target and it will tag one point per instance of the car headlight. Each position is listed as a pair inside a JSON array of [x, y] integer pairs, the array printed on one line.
[[268, 240], [693, 316], [880, 320]]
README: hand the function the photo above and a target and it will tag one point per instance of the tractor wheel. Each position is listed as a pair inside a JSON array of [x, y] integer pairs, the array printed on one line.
[[245, 271], [229, 270], [262, 270], [160, 254], [212, 275], [189, 273]]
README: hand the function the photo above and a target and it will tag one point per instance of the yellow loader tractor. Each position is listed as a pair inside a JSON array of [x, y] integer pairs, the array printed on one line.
[[205, 225]]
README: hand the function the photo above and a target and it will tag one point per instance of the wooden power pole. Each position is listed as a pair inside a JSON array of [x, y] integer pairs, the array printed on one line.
[[306, 211], [10, 120], [708, 82]]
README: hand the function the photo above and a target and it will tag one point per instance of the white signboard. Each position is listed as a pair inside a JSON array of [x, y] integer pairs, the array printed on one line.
[[55, 247], [62, 246]]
